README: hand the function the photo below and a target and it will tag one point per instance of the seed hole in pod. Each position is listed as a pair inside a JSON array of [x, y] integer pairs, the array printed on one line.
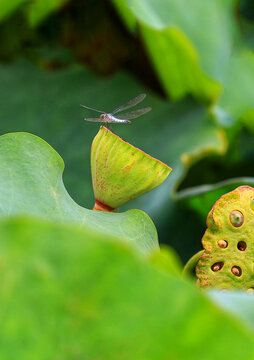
[[223, 244], [236, 218], [236, 270], [251, 289], [242, 246], [217, 266]]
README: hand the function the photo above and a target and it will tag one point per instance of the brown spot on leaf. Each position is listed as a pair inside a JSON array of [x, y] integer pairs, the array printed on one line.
[[128, 167]]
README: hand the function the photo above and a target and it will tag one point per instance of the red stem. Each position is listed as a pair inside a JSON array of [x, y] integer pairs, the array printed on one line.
[[99, 206]]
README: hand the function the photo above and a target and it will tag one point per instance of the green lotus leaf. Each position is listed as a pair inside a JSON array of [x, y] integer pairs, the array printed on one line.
[[68, 293], [185, 60], [238, 303], [228, 259], [38, 10], [126, 14], [122, 172], [7, 7], [239, 104], [31, 183]]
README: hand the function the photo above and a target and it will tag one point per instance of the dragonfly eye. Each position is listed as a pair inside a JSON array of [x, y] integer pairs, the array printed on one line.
[[102, 117]]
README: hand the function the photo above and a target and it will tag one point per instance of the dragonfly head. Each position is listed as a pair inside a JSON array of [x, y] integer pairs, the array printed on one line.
[[103, 117]]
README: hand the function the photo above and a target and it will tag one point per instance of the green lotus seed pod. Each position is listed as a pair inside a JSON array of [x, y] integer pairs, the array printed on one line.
[[228, 258], [122, 172]]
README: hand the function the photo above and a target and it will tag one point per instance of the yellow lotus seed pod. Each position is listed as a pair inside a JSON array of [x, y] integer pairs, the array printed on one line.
[[228, 257], [122, 172]]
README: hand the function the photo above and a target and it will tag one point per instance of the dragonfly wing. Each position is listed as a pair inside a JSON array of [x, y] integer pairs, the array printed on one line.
[[92, 119], [89, 108], [130, 103], [134, 114]]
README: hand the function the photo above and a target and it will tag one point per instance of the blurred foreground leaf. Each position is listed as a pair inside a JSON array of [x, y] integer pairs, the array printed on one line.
[[31, 183], [66, 293], [237, 303]]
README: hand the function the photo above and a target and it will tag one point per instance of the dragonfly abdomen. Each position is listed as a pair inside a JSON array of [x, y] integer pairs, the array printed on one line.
[[113, 119]]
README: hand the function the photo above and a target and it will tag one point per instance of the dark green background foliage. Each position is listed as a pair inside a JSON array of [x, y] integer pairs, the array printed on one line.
[[195, 61]]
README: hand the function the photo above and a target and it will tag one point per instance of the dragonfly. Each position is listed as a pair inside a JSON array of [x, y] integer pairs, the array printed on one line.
[[115, 117]]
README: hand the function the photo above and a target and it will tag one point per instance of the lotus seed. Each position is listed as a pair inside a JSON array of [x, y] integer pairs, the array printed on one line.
[[217, 266], [236, 270], [250, 289], [236, 218], [223, 244]]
